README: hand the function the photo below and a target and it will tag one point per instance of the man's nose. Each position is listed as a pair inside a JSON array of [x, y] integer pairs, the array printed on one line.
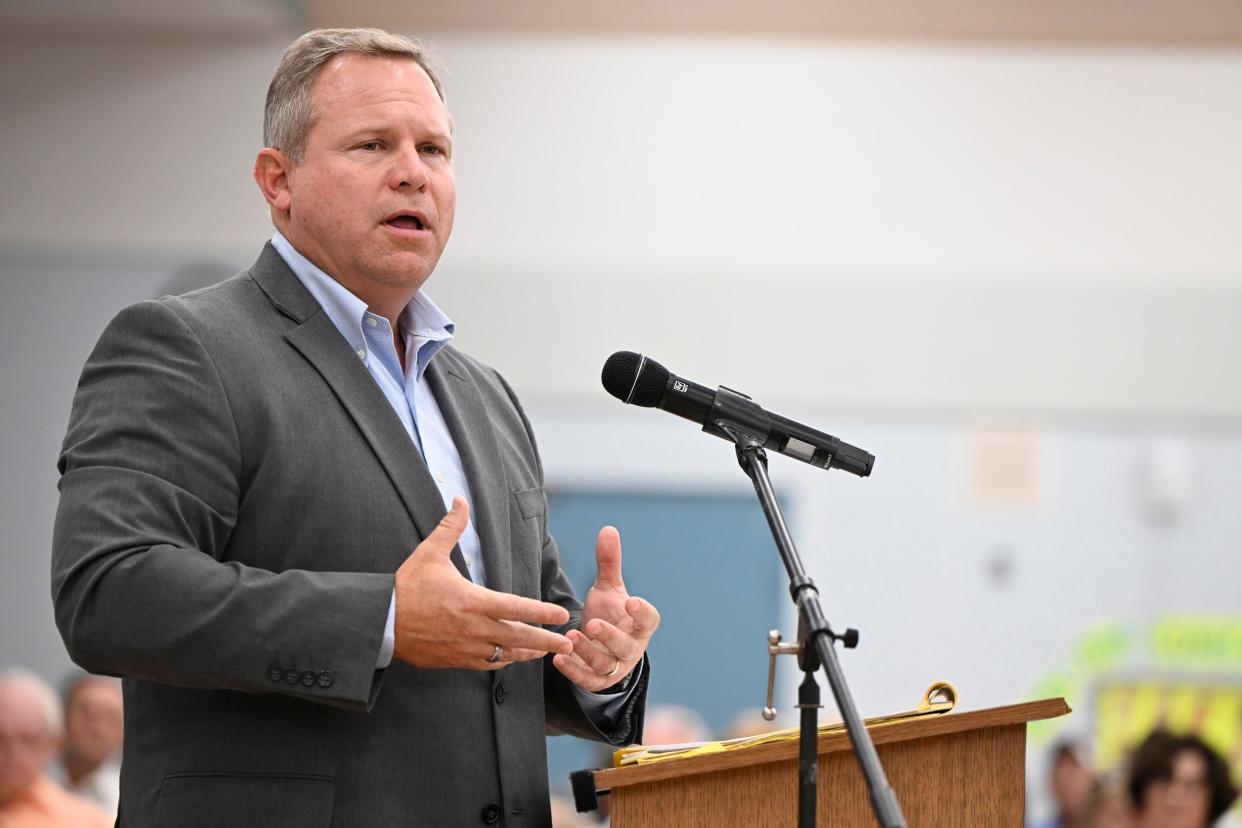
[[408, 171]]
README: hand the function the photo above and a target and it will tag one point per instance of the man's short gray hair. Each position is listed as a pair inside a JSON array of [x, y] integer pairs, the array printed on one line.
[[290, 113], [26, 684]]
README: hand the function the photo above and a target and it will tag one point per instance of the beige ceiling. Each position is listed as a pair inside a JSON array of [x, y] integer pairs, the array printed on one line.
[[1171, 22]]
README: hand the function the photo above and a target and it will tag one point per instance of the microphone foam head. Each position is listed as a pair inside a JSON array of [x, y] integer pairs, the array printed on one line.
[[633, 378]]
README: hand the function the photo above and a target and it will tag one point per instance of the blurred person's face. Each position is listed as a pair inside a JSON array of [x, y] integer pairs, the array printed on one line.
[[94, 724], [1181, 801], [1111, 811], [373, 198], [1071, 786], [665, 728], [25, 744]]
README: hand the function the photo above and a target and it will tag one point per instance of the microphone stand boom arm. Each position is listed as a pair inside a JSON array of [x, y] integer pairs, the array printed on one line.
[[818, 639]]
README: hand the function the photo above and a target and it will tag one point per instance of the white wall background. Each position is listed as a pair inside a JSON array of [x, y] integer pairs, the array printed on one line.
[[1041, 227], [889, 241]]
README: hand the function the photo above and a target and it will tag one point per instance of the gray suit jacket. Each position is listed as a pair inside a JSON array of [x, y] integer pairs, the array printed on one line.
[[236, 494]]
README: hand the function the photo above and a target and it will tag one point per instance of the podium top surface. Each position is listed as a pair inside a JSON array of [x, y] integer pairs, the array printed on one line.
[[922, 727]]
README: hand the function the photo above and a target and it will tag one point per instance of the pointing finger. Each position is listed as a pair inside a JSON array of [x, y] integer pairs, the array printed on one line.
[[511, 634], [505, 607], [608, 559]]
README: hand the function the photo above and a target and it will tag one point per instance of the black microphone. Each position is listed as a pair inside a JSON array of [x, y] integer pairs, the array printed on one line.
[[635, 379]]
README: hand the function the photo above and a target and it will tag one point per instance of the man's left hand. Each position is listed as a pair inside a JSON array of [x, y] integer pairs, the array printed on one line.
[[616, 626]]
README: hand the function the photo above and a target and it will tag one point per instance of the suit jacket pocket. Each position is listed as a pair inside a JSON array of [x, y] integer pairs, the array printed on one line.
[[531, 502], [210, 800]]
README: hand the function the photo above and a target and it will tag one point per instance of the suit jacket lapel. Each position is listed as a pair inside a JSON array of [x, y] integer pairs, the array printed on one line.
[[465, 412], [318, 340]]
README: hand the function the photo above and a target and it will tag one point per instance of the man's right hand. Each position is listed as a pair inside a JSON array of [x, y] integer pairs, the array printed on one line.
[[444, 620]]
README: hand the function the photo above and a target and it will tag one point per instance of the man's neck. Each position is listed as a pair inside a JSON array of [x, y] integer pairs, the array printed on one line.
[[389, 307], [386, 303]]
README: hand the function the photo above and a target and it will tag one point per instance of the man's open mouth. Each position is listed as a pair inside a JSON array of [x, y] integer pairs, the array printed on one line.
[[406, 221]]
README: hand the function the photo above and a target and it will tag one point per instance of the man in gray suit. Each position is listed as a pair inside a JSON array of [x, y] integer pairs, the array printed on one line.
[[247, 466]]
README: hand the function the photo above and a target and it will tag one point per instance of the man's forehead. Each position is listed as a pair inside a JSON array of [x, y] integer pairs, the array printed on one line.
[[350, 84], [351, 73]]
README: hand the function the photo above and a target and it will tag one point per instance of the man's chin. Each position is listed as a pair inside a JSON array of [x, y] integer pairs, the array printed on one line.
[[409, 271], [410, 266]]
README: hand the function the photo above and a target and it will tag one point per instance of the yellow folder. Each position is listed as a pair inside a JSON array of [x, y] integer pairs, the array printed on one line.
[[940, 697]]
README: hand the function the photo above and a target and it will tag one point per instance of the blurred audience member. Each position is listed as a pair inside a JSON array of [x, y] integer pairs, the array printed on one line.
[[672, 724], [751, 723], [564, 815], [1072, 783], [1178, 782], [1109, 806], [89, 763], [30, 732]]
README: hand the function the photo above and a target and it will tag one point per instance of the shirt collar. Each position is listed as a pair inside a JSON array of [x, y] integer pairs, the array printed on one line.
[[424, 327]]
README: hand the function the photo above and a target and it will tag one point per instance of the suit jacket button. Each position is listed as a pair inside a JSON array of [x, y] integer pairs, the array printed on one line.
[[500, 693], [326, 679], [308, 679], [292, 676], [491, 814], [275, 673]]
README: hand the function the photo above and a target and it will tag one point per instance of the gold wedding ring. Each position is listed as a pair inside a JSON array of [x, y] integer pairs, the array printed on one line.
[[496, 655], [614, 669]]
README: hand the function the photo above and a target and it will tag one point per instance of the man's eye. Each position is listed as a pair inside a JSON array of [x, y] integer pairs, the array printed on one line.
[[432, 149], [370, 146]]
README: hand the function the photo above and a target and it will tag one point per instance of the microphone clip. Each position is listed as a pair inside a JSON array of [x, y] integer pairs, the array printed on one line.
[[737, 417]]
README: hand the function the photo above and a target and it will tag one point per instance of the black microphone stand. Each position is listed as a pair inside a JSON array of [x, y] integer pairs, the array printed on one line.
[[815, 635]]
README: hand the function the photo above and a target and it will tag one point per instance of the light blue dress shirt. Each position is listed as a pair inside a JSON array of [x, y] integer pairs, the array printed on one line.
[[424, 330]]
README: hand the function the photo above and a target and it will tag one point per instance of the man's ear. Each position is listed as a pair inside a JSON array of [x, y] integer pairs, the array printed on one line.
[[271, 173]]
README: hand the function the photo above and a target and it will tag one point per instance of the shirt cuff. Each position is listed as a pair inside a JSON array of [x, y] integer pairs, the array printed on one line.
[[386, 646], [605, 709]]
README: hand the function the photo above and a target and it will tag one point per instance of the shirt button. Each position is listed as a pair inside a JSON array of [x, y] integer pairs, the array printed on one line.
[[326, 679], [275, 673], [361, 352], [292, 676], [439, 475], [491, 814], [308, 679], [500, 693], [371, 321]]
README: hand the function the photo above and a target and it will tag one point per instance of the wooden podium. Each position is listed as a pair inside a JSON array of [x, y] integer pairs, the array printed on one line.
[[952, 769]]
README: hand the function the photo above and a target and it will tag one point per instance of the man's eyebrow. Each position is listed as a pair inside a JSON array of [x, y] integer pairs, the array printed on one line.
[[376, 129], [379, 129]]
